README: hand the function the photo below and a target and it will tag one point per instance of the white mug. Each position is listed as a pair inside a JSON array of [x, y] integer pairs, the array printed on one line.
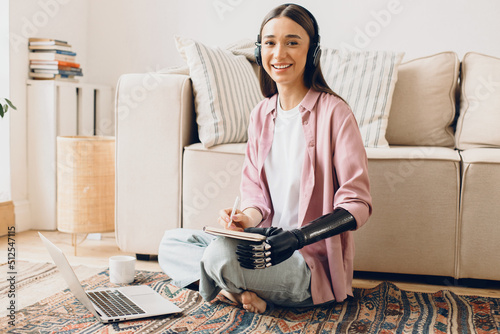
[[121, 269]]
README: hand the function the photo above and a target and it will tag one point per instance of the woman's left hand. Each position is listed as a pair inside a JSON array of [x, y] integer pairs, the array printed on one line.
[[278, 247]]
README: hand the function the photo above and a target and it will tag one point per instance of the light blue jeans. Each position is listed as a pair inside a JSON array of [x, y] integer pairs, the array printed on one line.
[[187, 256]]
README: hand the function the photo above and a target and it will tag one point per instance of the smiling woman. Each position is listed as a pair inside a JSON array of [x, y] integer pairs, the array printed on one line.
[[304, 33], [304, 186], [284, 51]]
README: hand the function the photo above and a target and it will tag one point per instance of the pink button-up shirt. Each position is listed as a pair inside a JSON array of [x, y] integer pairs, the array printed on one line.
[[334, 175]]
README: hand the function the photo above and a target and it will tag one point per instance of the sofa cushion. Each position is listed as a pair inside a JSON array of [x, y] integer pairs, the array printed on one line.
[[479, 119], [225, 88], [416, 192], [479, 229], [412, 154], [481, 156], [424, 102], [366, 81], [213, 187]]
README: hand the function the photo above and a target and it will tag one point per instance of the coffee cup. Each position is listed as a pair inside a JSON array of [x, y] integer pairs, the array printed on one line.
[[121, 269]]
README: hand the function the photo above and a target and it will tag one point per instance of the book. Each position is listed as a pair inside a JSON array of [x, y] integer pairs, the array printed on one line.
[[49, 76], [52, 59], [50, 43], [51, 56], [37, 67], [62, 52], [50, 47], [54, 62], [58, 71], [45, 41], [234, 234]]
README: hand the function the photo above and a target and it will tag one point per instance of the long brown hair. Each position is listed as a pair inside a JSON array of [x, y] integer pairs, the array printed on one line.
[[313, 77]]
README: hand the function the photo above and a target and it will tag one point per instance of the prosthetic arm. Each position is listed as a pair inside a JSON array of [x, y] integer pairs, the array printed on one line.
[[281, 244]]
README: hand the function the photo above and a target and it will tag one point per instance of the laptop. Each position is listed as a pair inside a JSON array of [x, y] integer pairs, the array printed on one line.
[[112, 304]]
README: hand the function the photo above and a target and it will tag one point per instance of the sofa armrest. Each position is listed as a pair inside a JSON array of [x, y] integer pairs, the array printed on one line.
[[154, 117]]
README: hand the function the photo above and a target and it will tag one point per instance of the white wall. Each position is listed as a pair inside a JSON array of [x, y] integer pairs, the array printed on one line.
[[61, 19], [4, 92], [138, 36], [113, 37]]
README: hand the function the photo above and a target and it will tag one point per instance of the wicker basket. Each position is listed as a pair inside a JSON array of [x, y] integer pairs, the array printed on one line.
[[85, 184]]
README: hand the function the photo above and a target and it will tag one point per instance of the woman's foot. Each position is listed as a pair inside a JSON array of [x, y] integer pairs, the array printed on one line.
[[248, 299], [253, 303], [232, 297]]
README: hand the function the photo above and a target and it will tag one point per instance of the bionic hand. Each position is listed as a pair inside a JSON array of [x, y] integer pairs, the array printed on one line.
[[281, 244]]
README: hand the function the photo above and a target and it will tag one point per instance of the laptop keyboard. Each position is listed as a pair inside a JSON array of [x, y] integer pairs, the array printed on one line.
[[114, 303]]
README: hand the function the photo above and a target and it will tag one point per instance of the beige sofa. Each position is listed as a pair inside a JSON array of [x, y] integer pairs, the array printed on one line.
[[435, 191]]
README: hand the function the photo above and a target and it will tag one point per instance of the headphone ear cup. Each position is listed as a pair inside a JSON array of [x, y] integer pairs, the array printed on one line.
[[317, 56], [313, 56], [258, 58]]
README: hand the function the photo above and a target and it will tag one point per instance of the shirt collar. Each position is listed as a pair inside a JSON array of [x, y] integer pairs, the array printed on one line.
[[310, 100], [271, 104], [307, 103]]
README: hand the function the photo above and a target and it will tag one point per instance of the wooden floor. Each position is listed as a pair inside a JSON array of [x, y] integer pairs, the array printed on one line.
[[96, 253]]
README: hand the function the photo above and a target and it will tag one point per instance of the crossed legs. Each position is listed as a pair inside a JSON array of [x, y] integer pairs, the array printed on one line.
[[190, 255]]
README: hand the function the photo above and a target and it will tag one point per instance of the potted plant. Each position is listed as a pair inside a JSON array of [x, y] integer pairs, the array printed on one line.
[[5, 106]]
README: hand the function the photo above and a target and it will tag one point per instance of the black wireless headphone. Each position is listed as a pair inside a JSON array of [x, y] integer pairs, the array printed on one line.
[[314, 53]]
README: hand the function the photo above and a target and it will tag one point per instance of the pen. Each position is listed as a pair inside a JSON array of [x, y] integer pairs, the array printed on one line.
[[235, 207]]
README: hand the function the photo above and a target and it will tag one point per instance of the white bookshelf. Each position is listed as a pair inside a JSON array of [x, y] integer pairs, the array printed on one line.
[[59, 108]]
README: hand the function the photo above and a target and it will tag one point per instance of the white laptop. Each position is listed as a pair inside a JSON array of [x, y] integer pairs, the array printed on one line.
[[112, 304]]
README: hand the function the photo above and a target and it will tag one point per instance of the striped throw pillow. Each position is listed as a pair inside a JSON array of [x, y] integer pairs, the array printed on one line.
[[226, 90], [366, 81]]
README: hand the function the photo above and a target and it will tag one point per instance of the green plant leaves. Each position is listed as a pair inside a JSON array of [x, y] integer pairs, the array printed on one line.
[[5, 107]]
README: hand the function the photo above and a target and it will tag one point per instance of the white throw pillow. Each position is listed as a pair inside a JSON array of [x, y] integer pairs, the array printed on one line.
[[226, 90], [366, 81], [424, 102], [479, 122]]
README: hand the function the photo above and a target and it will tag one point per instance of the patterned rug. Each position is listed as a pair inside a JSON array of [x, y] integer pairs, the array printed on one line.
[[383, 309], [36, 281]]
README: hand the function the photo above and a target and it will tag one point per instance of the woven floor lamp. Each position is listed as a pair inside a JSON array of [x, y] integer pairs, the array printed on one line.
[[85, 185]]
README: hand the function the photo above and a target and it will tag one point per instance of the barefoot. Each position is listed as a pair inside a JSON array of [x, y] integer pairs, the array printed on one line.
[[249, 300], [232, 297], [253, 303]]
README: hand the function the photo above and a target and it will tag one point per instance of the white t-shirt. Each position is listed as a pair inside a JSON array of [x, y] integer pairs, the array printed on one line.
[[283, 167]]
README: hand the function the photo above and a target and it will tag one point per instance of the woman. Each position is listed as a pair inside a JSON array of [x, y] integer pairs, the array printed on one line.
[[304, 183]]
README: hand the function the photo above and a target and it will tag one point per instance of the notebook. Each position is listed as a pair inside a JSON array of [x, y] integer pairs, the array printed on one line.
[[112, 304], [234, 234]]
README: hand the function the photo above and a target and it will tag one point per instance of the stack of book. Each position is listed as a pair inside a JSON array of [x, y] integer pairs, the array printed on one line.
[[52, 59]]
